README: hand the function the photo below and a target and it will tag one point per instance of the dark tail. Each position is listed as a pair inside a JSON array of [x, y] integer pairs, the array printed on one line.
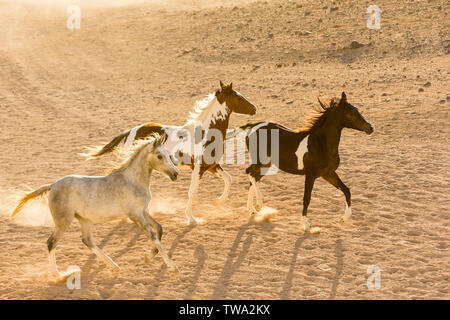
[[39, 192], [95, 152]]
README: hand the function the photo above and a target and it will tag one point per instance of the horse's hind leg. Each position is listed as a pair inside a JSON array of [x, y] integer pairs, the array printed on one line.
[[334, 179], [141, 221], [52, 242], [88, 239], [254, 175], [195, 178], [218, 171]]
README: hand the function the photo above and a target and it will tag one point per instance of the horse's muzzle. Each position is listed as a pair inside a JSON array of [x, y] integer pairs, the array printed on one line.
[[368, 129], [173, 176]]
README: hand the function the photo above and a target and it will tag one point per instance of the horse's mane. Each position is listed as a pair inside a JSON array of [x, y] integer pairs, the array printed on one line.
[[128, 155], [202, 108], [315, 116]]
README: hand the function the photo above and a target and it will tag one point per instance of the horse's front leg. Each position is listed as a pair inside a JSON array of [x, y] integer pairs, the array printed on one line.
[[218, 170], [141, 221], [309, 184], [251, 194], [195, 178], [334, 179], [159, 232]]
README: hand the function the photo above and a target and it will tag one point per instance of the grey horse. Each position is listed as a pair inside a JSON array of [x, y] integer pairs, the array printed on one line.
[[124, 192]]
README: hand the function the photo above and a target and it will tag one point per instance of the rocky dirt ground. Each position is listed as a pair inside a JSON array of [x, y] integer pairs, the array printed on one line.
[[133, 62]]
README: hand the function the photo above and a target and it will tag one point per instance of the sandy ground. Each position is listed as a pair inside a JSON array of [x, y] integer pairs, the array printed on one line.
[[139, 61]]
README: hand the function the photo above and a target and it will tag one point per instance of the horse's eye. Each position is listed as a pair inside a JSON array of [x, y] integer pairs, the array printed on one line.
[[160, 157]]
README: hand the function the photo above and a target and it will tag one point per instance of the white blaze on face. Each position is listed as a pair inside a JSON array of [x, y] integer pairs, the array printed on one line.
[[301, 150]]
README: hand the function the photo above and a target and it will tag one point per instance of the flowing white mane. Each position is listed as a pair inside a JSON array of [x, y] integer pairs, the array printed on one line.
[[207, 110]]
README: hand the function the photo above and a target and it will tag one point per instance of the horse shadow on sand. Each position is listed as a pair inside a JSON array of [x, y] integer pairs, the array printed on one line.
[[338, 252], [153, 292], [232, 264], [131, 228]]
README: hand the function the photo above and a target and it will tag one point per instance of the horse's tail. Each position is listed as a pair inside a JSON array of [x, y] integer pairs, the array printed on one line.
[[29, 196], [234, 132], [95, 152]]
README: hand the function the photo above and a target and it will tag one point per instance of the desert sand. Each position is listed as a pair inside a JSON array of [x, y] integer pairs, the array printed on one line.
[[133, 62]]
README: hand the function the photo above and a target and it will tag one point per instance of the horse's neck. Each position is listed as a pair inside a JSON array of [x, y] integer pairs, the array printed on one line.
[[330, 131], [221, 123], [139, 171], [217, 118]]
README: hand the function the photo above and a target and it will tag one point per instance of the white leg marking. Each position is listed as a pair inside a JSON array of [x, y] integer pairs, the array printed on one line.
[[52, 260], [347, 214], [251, 194], [259, 196], [305, 224], [192, 192], [226, 190], [307, 227], [57, 276]]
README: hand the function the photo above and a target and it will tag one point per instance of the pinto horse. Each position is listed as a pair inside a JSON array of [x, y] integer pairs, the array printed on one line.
[[312, 151], [187, 143]]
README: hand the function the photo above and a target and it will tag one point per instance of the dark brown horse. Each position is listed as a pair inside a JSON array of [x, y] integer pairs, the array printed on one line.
[[312, 151], [187, 143]]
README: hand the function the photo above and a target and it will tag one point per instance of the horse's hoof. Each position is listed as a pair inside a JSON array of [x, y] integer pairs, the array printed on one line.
[[344, 219], [174, 269], [149, 256], [192, 222], [306, 227], [218, 201], [62, 277], [315, 230], [116, 268]]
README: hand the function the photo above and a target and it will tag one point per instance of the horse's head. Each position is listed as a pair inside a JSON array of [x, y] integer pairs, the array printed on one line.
[[159, 159], [350, 117], [234, 100]]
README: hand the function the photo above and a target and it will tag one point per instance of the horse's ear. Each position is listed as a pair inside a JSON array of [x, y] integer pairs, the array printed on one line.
[[343, 97], [231, 86], [321, 103], [332, 102], [222, 86]]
